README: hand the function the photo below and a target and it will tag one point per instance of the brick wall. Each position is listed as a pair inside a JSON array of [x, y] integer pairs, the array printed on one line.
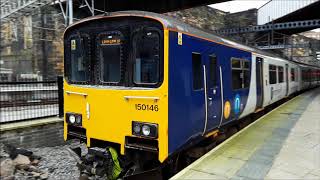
[[36, 135]]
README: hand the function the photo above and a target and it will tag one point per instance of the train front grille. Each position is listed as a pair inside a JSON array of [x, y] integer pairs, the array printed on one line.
[[75, 132]]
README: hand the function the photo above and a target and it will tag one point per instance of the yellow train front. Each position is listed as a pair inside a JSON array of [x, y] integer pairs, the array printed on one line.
[[116, 87]]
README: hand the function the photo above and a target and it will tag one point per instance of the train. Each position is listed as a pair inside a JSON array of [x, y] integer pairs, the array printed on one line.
[[146, 86]]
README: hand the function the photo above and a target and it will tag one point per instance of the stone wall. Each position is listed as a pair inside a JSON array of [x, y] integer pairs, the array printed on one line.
[[32, 44], [203, 17], [241, 19], [33, 135]]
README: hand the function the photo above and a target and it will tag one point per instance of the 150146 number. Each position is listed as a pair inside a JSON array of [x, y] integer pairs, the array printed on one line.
[[146, 107]]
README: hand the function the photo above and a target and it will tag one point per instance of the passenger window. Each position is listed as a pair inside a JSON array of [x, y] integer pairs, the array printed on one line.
[[110, 58], [240, 73], [246, 73], [197, 71], [272, 74], [236, 74], [292, 74], [246, 65], [212, 71], [280, 74], [236, 63]]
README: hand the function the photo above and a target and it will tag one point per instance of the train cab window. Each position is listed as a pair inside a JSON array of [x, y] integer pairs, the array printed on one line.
[[280, 74], [110, 58], [240, 73], [197, 71], [78, 70], [272, 74], [146, 69], [212, 70], [293, 74]]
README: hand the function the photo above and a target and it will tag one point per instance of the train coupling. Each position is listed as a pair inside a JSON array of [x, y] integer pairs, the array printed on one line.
[[105, 163], [98, 163]]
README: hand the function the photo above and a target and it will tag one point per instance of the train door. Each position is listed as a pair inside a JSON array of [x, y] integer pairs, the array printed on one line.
[[287, 79], [259, 82], [213, 92]]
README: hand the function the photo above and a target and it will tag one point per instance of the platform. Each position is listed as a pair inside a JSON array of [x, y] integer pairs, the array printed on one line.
[[283, 144]]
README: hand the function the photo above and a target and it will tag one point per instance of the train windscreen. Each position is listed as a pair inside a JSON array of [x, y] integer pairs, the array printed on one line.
[[110, 58], [79, 60], [126, 51], [146, 45]]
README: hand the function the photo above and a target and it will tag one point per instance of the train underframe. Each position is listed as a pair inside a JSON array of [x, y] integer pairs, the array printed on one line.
[[103, 160], [141, 160]]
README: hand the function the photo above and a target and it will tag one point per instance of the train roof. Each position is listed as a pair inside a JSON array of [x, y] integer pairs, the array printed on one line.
[[174, 24]]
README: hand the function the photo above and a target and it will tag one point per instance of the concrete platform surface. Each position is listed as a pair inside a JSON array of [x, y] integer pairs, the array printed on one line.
[[283, 144]]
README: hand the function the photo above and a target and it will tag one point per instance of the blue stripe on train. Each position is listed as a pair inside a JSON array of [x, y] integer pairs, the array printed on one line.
[[186, 106]]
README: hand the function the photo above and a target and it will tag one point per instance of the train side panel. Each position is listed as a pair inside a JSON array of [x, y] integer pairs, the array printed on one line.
[[187, 108]]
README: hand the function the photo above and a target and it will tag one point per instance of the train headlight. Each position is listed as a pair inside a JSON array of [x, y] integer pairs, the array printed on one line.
[[148, 130], [78, 120], [74, 119], [136, 128]]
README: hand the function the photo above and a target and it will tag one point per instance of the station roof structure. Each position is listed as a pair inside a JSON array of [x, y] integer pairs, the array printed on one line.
[[290, 11]]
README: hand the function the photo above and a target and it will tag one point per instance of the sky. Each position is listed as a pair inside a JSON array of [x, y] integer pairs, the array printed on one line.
[[239, 5]]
